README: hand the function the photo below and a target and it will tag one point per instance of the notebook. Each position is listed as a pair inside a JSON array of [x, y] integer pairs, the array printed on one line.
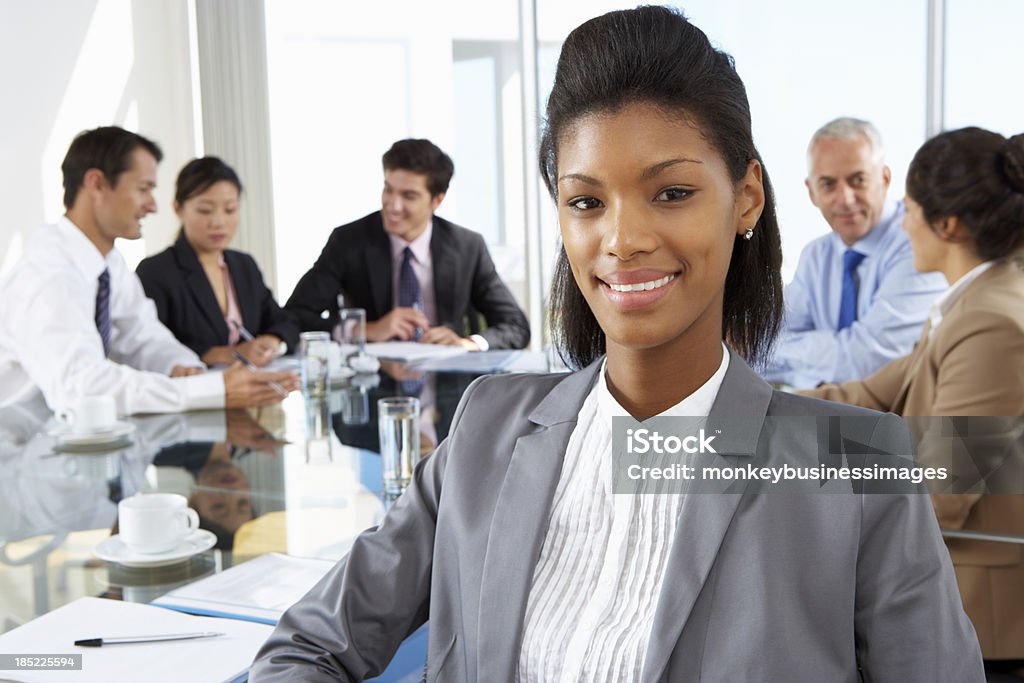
[[258, 590], [222, 659]]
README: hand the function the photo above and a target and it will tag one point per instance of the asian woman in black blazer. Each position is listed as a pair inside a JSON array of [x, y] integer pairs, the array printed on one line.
[[212, 298]]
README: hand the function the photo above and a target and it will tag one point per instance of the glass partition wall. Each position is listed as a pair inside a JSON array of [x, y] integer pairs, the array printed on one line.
[[347, 79]]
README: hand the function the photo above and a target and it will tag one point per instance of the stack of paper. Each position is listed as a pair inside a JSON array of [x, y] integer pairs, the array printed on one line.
[[257, 590], [214, 660], [411, 352]]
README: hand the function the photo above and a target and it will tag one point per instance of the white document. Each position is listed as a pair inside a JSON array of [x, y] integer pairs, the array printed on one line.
[[480, 362], [258, 590], [203, 660], [410, 352]]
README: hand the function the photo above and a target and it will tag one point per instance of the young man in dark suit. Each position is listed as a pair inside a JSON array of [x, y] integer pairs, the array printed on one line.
[[418, 276]]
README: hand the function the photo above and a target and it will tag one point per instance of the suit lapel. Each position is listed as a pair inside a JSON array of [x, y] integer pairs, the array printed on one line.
[[444, 256], [377, 256], [706, 517], [199, 287], [517, 529], [248, 306]]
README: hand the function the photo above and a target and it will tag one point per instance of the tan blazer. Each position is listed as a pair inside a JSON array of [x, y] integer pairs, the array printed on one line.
[[973, 365]]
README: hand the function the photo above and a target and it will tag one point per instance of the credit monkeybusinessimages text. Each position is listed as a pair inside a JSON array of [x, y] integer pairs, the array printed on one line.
[[774, 475]]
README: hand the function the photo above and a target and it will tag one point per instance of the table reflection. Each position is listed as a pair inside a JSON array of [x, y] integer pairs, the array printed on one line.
[[302, 477], [439, 395]]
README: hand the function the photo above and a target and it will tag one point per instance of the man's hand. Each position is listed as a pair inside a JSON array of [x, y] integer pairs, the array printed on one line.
[[446, 335], [260, 350], [183, 371], [244, 388], [400, 322]]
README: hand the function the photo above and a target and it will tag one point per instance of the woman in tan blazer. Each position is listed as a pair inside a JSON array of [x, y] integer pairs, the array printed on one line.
[[965, 219]]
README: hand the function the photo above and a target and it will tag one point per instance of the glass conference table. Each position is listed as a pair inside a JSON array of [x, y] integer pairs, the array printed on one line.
[[302, 478]]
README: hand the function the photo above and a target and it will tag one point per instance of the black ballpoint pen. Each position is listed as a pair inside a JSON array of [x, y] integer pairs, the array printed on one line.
[[99, 642]]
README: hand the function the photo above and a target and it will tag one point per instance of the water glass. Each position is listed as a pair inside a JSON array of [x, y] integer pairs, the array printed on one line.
[[353, 328], [315, 350], [318, 431], [398, 422], [355, 406]]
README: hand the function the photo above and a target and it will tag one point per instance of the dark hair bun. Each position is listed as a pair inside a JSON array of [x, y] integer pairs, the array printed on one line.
[[1013, 162]]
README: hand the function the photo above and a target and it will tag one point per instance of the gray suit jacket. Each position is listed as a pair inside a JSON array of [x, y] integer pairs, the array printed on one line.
[[758, 587]]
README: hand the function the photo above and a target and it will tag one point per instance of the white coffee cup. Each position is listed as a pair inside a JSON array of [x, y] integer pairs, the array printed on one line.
[[92, 415], [151, 523]]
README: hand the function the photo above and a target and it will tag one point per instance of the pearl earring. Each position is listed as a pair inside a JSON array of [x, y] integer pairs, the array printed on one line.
[[748, 234]]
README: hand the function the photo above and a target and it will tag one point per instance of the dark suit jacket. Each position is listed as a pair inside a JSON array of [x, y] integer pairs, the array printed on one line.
[[800, 587], [356, 262], [186, 304]]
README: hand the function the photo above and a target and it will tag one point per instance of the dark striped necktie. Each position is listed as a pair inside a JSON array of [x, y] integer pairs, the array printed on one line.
[[103, 310], [409, 294]]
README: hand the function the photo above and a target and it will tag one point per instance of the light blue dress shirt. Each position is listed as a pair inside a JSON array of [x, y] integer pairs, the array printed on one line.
[[893, 300]]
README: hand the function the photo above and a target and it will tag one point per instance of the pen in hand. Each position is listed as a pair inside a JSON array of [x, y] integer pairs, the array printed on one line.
[[418, 332], [99, 642], [242, 332], [252, 366]]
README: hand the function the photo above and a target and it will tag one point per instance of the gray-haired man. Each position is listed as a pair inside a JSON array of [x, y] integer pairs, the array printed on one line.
[[856, 301]]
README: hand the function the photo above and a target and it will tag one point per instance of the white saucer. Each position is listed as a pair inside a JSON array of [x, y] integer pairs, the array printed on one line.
[[113, 549], [364, 364], [340, 375], [116, 433]]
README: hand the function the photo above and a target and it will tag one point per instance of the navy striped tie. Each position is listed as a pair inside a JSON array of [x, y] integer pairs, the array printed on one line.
[[103, 310], [409, 294]]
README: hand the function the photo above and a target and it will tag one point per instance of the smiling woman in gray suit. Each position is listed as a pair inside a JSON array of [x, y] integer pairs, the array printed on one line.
[[512, 540]]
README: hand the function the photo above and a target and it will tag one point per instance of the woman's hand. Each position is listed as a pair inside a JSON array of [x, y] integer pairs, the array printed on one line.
[[260, 350]]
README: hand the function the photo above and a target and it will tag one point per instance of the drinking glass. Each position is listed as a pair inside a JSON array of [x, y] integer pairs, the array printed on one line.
[[355, 406], [318, 430], [315, 350], [398, 422], [353, 328]]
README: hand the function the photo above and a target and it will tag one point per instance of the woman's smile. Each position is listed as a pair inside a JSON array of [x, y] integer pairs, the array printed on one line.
[[632, 290]]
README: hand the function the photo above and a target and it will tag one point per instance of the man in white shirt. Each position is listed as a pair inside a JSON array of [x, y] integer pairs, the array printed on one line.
[[74, 320]]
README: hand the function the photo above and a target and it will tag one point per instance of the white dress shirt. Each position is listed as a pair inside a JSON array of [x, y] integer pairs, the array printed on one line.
[[596, 584], [49, 342]]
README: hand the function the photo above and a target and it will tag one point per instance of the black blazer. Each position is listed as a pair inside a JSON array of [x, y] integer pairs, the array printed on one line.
[[356, 262], [186, 304]]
